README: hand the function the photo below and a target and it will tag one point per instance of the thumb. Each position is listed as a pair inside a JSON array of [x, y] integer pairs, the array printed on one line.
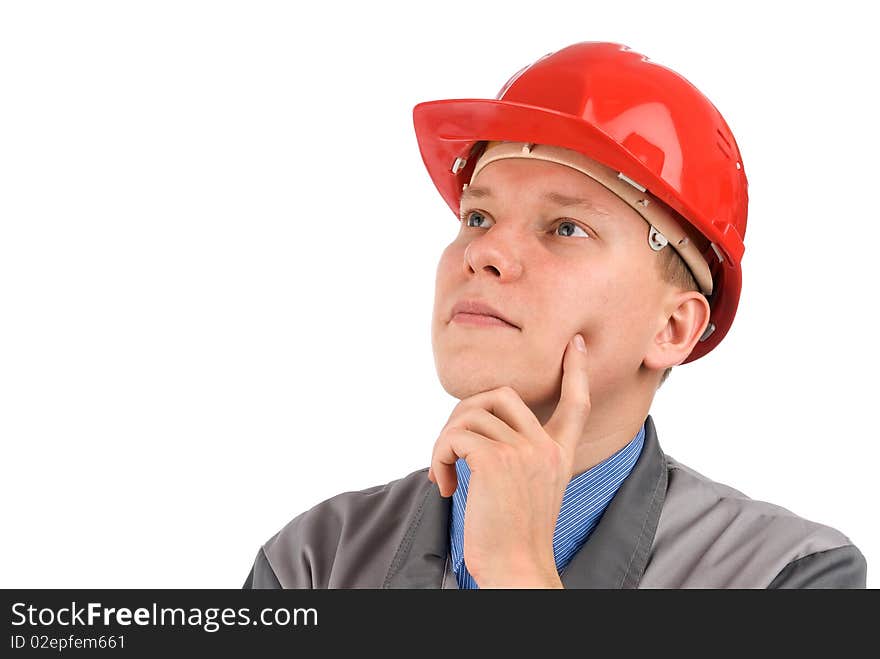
[[570, 416]]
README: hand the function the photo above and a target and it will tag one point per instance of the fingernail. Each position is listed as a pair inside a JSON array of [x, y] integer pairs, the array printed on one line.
[[579, 343]]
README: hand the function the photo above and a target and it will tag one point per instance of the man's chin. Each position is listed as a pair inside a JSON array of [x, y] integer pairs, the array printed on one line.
[[466, 383], [461, 385]]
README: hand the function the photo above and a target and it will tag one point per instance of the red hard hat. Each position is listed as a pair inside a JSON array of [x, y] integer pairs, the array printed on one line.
[[641, 119]]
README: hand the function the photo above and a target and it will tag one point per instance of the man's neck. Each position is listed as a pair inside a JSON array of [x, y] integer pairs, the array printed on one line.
[[612, 424], [603, 437]]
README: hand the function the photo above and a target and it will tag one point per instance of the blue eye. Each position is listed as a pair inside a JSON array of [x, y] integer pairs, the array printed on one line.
[[466, 218], [575, 227], [476, 219]]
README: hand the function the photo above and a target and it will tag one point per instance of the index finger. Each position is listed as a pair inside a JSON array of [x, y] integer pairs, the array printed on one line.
[[566, 426]]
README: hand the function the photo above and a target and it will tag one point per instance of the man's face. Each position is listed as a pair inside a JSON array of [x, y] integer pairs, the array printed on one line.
[[553, 269]]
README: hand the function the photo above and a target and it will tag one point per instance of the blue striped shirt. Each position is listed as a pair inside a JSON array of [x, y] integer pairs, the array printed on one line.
[[585, 499]]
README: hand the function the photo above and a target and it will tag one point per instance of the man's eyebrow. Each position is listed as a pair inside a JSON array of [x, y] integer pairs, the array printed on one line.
[[475, 192], [564, 200], [553, 197]]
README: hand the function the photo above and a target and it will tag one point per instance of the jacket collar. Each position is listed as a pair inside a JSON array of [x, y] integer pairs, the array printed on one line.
[[614, 556]]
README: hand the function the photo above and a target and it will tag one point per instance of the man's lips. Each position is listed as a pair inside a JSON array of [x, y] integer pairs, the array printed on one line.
[[480, 319], [477, 312]]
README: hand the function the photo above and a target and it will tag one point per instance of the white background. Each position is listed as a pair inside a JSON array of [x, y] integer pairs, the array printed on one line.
[[218, 245]]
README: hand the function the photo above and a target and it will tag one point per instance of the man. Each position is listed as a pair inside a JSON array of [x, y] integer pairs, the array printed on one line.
[[602, 202]]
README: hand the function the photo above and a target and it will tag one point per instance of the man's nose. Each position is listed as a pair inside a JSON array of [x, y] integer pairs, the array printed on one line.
[[496, 252]]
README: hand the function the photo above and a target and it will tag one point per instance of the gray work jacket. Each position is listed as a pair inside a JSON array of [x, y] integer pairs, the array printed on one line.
[[666, 527]]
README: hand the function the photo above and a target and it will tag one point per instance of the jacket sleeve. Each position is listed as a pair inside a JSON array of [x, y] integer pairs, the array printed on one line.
[[841, 567], [261, 576]]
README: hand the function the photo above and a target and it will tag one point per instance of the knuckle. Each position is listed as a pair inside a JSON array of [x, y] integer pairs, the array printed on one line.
[[460, 406], [587, 403], [462, 421], [583, 409], [508, 392], [443, 440]]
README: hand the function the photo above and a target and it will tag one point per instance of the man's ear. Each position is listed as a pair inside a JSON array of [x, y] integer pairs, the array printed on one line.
[[686, 317]]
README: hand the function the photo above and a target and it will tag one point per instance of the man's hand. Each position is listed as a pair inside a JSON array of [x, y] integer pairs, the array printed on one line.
[[519, 472]]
